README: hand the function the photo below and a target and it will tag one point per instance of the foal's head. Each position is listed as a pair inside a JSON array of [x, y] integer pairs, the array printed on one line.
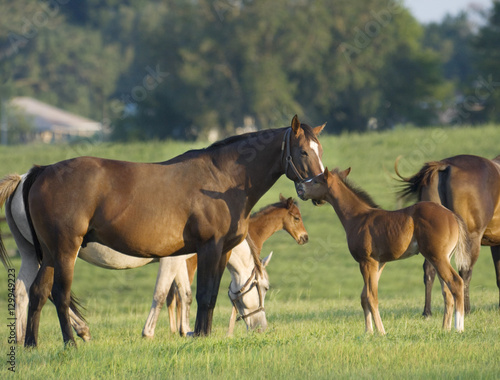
[[292, 221], [319, 187], [302, 151]]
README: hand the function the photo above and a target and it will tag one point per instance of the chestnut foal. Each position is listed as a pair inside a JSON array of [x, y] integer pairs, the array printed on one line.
[[376, 236]]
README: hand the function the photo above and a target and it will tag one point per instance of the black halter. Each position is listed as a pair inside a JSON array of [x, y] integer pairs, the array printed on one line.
[[288, 157]]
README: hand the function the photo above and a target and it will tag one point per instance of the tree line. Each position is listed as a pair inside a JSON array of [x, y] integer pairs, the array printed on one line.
[[177, 68]]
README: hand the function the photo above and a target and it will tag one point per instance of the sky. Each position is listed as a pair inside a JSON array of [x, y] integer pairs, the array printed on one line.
[[427, 11]]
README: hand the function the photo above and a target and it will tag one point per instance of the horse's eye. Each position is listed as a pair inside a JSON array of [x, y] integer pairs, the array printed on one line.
[[296, 218], [304, 153]]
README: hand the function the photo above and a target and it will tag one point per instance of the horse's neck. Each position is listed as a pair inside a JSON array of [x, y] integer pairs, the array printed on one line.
[[262, 161], [348, 206], [263, 226], [240, 264]]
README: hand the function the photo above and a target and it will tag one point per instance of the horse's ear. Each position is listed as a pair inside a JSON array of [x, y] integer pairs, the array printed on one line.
[[296, 125], [326, 173], [282, 199], [319, 129], [289, 203], [344, 173], [267, 259]]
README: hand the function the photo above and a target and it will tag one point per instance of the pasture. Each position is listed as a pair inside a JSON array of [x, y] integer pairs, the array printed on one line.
[[316, 325]]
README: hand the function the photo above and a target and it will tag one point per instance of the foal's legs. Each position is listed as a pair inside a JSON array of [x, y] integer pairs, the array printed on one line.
[[371, 271], [495, 254], [429, 276], [166, 274], [455, 284]]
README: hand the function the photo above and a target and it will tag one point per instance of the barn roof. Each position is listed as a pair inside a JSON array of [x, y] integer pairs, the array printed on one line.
[[50, 118]]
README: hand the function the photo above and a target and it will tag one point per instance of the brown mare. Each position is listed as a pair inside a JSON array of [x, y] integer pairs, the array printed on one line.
[[376, 236], [470, 187], [198, 202], [283, 215]]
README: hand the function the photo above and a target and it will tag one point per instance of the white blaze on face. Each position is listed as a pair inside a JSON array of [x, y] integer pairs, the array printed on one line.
[[315, 147]]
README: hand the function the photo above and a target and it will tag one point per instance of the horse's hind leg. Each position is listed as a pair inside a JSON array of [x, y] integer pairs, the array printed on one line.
[[61, 292], [166, 273], [466, 275], [456, 285], [371, 271], [172, 304], [495, 254], [185, 299], [25, 278], [39, 292], [429, 276], [448, 305]]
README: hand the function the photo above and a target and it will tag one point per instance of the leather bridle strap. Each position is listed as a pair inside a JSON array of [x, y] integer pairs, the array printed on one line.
[[251, 282], [285, 145]]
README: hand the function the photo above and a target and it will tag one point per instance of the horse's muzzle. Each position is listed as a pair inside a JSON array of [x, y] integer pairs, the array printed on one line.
[[299, 188], [303, 239]]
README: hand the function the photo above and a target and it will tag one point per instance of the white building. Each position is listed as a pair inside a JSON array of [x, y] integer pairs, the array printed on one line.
[[53, 124]]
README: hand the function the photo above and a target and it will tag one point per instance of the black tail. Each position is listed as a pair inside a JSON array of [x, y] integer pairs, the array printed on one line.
[[412, 187], [75, 305], [32, 176]]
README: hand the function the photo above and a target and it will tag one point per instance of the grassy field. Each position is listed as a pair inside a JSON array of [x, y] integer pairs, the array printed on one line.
[[316, 325]]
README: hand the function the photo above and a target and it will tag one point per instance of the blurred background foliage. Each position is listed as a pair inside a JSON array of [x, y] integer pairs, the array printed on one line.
[[180, 69]]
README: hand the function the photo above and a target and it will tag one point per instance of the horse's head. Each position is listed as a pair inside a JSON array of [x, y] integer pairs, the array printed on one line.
[[318, 187], [302, 151], [248, 296], [292, 221]]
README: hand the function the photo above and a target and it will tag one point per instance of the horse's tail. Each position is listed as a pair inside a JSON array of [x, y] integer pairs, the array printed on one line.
[[8, 185], [31, 177], [463, 247], [413, 186]]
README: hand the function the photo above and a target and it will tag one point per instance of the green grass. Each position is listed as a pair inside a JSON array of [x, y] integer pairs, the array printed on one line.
[[316, 325]]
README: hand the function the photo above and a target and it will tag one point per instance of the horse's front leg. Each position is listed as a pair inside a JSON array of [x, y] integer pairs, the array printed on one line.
[[166, 273], [211, 265], [371, 271], [495, 254]]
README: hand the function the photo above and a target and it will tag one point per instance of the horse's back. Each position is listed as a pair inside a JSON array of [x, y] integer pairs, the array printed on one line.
[[132, 207]]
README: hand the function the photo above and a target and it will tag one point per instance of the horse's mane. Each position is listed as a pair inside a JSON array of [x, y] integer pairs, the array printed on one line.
[[272, 206], [308, 131], [255, 255], [360, 193]]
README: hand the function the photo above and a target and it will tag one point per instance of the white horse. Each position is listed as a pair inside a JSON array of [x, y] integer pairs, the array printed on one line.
[[171, 269]]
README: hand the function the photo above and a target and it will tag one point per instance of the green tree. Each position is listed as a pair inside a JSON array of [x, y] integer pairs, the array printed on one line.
[[487, 90]]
